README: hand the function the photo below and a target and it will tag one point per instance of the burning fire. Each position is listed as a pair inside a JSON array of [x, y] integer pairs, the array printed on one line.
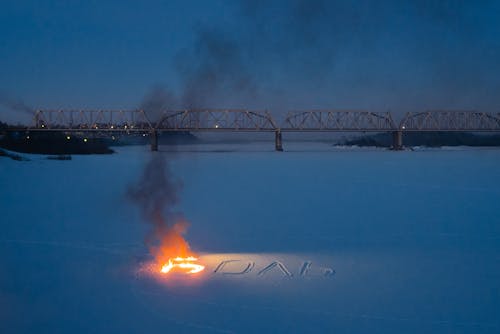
[[173, 253], [157, 194], [183, 263]]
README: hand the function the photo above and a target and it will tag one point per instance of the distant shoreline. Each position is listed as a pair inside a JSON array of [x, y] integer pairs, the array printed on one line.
[[60, 144], [425, 139]]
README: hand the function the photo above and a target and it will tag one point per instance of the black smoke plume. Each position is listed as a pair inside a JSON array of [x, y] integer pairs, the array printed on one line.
[[159, 99], [157, 194], [214, 71], [294, 54]]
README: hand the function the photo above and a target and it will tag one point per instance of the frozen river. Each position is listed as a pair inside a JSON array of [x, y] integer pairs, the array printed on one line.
[[313, 239]]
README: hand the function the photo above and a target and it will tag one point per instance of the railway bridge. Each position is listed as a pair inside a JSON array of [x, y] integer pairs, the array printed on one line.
[[235, 120]]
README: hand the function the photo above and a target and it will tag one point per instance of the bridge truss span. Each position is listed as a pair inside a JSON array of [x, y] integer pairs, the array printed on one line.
[[450, 120], [339, 120], [241, 120], [95, 120], [216, 120]]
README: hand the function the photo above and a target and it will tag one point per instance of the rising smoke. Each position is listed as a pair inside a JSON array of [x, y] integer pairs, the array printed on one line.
[[15, 104], [213, 70], [211, 74], [157, 194], [289, 54], [403, 55], [159, 99]]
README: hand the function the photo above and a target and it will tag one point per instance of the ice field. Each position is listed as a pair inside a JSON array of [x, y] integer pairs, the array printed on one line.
[[313, 239]]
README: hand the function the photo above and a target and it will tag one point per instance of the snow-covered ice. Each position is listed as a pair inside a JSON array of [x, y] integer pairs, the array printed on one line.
[[315, 239]]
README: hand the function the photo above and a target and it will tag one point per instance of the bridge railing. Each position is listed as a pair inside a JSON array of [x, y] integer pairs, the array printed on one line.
[[102, 120], [216, 119], [338, 120], [450, 120]]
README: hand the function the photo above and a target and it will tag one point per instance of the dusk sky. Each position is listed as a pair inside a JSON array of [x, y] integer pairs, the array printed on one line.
[[277, 55]]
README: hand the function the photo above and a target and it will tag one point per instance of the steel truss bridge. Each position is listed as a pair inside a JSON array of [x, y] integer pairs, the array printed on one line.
[[215, 120]]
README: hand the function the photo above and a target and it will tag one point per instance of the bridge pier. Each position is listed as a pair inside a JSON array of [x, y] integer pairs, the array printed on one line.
[[397, 140], [278, 141], [154, 140]]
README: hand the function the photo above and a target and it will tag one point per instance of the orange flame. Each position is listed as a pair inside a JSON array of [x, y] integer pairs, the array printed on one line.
[[184, 263], [173, 252]]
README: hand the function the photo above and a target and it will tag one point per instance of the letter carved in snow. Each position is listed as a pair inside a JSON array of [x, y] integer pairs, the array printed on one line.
[[276, 264], [246, 267]]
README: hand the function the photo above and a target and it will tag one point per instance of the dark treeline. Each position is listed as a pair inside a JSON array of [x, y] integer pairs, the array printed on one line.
[[54, 143], [428, 139], [60, 143]]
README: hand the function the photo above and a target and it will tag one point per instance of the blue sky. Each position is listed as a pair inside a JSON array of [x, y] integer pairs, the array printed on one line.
[[280, 55]]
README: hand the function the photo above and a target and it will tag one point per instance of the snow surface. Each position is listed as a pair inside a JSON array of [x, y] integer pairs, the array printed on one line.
[[315, 239]]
